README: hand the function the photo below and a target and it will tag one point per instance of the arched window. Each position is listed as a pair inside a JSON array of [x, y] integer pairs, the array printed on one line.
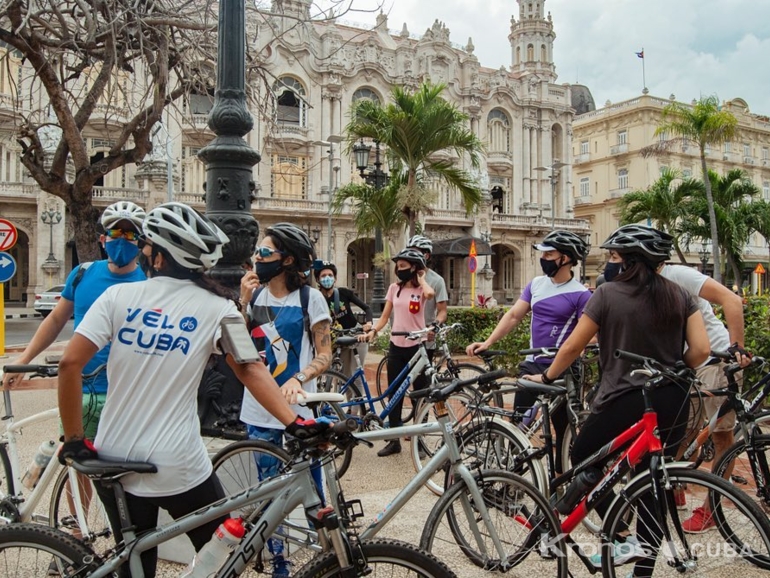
[[530, 53], [498, 131], [543, 53], [366, 93], [291, 104], [518, 55]]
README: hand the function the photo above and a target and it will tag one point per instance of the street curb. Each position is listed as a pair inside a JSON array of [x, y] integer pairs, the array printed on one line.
[[22, 315]]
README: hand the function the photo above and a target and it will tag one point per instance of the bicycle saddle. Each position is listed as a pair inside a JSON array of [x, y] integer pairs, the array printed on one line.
[[346, 341], [108, 469], [542, 389]]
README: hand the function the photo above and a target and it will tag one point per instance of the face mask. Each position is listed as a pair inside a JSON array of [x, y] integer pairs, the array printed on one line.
[[121, 252], [327, 282], [144, 264], [550, 268], [266, 271], [404, 275], [612, 270]]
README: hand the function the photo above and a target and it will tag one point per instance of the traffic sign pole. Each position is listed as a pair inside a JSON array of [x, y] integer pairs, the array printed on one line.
[[2, 319]]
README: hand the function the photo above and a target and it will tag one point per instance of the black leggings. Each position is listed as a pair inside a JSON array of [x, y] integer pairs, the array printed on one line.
[[398, 359], [672, 404], [144, 516]]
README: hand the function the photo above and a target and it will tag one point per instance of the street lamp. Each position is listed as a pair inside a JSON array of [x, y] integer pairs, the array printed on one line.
[[376, 178], [553, 177], [51, 216], [329, 142], [314, 234], [486, 236], [704, 255]]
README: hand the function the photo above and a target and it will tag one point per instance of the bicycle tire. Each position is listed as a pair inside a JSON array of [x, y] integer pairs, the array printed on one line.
[[31, 549], [742, 527], [61, 517], [424, 446], [467, 370], [522, 517], [741, 474], [236, 467], [381, 385], [761, 419], [386, 558], [6, 482], [338, 383]]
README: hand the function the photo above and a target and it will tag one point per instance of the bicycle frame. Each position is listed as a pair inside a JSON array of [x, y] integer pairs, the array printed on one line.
[[284, 494]]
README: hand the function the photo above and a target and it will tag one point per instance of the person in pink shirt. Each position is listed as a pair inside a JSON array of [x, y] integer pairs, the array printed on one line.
[[405, 301]]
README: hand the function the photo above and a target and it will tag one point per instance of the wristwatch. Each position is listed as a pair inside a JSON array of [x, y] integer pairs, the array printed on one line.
[[301, 377]]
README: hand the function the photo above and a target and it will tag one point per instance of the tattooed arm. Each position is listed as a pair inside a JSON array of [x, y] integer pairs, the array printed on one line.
[[322, 341]]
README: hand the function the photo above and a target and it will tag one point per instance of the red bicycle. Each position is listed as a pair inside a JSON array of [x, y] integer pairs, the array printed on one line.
[[644, 523]]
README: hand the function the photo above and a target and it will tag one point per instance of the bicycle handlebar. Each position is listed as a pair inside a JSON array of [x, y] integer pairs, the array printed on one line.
[[441, 394], [35, 369]]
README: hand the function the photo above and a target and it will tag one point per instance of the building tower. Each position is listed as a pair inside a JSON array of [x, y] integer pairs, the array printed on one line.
[[531, 41]]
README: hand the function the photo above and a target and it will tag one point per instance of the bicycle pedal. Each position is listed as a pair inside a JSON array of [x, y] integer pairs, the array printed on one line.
[[354, 509], [739, 480]]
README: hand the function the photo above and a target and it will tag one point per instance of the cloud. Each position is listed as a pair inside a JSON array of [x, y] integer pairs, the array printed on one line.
[[691, 47]]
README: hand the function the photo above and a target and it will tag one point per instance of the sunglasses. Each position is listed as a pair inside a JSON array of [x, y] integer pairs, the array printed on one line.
[[265, 252], [118, 233]]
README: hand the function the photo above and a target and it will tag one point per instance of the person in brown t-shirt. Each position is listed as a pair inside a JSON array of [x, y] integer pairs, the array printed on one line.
[[646, 314]]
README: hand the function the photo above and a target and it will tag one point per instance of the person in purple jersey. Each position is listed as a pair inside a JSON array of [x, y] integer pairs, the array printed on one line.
[[556, 301]]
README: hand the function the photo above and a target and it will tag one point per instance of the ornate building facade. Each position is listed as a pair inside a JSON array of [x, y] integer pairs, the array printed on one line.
[[317, 70], [607, 164]]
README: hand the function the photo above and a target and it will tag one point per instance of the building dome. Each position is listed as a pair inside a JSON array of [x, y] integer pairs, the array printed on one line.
[[582, 99]]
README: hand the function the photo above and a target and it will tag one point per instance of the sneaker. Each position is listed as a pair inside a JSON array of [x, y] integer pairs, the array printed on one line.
[[392, 447], [700, 521], [281, 567], [680, 498], [623, 552]]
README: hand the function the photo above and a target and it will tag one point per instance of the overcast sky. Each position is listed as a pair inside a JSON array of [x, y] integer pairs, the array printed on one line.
[[691, 47]]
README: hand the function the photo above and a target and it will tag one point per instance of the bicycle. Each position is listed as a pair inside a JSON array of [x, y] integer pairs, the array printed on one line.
[[648, 501], [498, 517], [67, 510], [27, 549]]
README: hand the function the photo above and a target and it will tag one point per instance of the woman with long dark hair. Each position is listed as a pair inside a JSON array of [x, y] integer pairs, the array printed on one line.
[[644, 313], [405, 302]]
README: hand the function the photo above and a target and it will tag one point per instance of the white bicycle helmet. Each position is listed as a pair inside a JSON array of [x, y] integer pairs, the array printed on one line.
[[190, 238], [123, 211], [421, 243]]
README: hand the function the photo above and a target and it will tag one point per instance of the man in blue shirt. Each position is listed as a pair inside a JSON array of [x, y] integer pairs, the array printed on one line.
[[122, 223]]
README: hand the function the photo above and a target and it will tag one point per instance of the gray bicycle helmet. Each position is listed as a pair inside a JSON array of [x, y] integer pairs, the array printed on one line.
[[414, 256], [295, 242], [564, 242], [123, 211], [421, 243], [650, 244], [189, 238]]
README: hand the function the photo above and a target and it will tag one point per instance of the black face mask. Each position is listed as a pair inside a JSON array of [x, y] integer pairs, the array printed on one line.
[[266, 271], [612, 270], [404, 275], [550, 268]]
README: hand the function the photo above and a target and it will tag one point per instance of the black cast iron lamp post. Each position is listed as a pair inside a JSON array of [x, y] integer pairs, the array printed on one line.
[[51, 216]]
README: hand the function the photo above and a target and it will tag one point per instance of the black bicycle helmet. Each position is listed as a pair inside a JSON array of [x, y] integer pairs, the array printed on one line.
[[414, 256], [652, 245], [319, 266], [295, 242], [564, 242]]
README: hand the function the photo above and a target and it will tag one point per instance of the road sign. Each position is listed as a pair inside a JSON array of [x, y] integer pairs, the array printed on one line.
[[8, 235], [472, 264], [472, 252], [7, 267], [362, 275], [759, 269]]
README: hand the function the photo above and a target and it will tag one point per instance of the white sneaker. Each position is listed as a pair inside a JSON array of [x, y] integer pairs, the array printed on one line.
[[623, 553]]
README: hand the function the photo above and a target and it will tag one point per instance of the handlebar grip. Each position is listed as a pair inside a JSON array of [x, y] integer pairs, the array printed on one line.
[[400, 333], [30, 368], [723, 355], [348, 425], [620, 354], [419, 393]]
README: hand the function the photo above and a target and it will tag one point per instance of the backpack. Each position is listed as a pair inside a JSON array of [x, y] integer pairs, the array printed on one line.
[[79, 275], [336, 302]]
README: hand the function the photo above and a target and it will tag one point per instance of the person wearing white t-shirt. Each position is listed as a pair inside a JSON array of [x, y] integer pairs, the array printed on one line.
[[295, 344], [162, 334], [711, 373]]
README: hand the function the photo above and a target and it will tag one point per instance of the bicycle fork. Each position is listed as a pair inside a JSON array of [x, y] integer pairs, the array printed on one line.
[[350, 556], [665, 507]]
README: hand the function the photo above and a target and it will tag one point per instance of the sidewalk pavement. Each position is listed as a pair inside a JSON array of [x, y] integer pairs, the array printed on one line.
[[14, 312]]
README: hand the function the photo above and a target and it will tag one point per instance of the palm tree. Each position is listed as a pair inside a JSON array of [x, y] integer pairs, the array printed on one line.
[[663, 203], [738, 216], [702, 124], [423, 135]]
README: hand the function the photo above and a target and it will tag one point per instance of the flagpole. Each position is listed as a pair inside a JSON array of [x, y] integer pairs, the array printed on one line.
[[644, 75]]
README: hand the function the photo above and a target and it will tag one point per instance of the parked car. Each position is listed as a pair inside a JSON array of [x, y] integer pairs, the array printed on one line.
[[45, 302]]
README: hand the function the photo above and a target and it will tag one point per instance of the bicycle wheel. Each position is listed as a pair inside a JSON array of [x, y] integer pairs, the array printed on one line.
[[28, 550], [385, 558], [63, 511], [424, 446], [381, 384], [497, 445], [719, 543], [738, 460], [522, 518], [335, 382], [762, 420], [244, 465], [6, 473]]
